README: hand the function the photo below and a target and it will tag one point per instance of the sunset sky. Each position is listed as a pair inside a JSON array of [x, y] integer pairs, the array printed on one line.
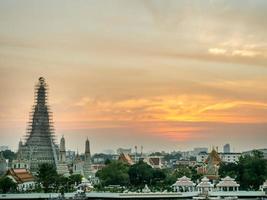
[[168, 75]]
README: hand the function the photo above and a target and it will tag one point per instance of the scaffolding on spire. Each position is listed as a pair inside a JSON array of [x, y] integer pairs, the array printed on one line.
[[40, 144]]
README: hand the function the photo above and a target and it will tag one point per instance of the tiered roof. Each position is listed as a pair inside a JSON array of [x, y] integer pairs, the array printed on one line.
[[20, 175], [227, 182], [213, 158], [205, 183], [184, 181], [126, 158]]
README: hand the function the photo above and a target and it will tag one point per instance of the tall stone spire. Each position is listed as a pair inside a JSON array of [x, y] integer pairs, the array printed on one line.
[[87, 167], [62, 167], [39, 146], [87, 150], [62, 150]]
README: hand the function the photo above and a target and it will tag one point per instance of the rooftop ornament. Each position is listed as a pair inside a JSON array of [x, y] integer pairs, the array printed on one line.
[[146, 189]]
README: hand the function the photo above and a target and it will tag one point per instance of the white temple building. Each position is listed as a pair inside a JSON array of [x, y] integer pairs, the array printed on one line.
[[205, 186], [227, 184], [183, 184]]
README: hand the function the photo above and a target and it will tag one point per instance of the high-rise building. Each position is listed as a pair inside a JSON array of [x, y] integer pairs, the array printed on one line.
[[123, 150], [39, 146], [226, 148], [198, 150]]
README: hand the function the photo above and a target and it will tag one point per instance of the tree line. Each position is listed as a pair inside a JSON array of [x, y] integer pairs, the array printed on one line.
[[250, 172]]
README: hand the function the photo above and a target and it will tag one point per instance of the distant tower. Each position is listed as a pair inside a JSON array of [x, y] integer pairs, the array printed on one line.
[[39, 146], [62, 167], [226, 148], [87, 167]]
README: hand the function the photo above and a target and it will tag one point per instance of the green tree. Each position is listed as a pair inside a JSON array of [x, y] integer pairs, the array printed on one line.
[[7, 185], [47, 177], [175, 156], [229, 169], [158, 177], [140, 174], [8, 154], [74, 179], [250, 171], [114, 173], [182, 170]]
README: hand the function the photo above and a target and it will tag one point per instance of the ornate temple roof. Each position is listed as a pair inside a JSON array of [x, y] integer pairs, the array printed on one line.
[[126, 158], [213, 158], [205, 183], [20, 175], [184, 181], [227, 182]]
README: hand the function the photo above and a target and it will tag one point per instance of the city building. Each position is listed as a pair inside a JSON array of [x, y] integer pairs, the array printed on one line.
[[123, 150], [39, 146], [225, 157], [186, 163], [202, 157], [226, 148], [197, 150], [4, 148], [263, 151], [230, 157]]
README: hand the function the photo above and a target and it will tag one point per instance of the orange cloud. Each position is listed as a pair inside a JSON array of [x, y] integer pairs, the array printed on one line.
[[193, 108]]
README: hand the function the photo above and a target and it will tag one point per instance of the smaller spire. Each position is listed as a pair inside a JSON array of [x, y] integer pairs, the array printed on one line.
[[62, 144], [87, 146]]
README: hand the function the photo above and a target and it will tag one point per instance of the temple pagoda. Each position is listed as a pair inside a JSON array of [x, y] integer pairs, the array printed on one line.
[[213, 163], [39, 146]]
